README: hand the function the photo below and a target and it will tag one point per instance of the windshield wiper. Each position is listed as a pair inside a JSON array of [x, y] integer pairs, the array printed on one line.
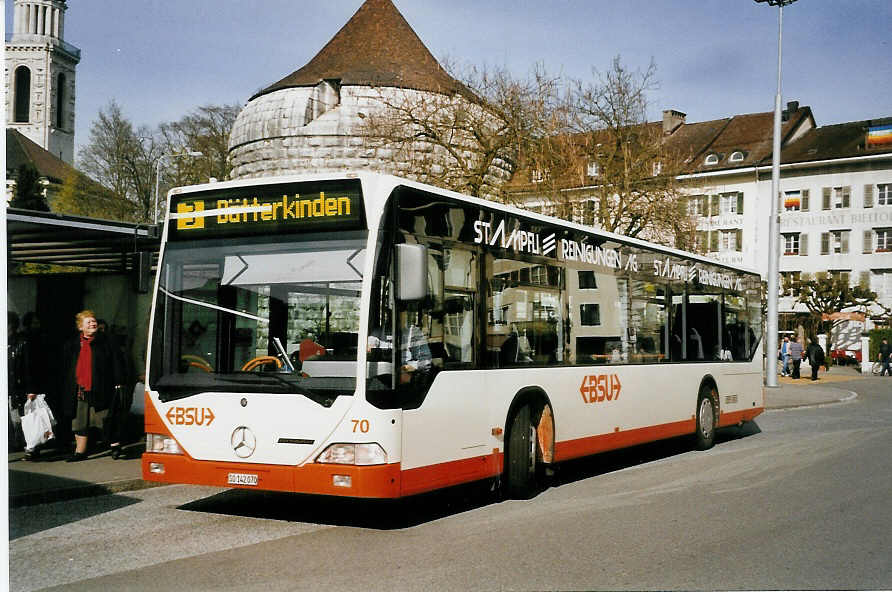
[[166, 292]]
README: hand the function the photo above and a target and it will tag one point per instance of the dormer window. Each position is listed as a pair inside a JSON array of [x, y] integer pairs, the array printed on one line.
[[736, 156], [712, 159]]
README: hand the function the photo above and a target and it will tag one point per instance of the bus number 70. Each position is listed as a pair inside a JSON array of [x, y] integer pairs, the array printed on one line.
[[361, 424]]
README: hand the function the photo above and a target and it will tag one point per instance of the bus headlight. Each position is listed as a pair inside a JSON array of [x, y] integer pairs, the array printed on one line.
[[353, 454], [162, 443]]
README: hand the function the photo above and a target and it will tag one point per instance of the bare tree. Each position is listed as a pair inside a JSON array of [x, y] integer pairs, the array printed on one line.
[[630, 168], [122, 159], [468, 139], [206, 129]]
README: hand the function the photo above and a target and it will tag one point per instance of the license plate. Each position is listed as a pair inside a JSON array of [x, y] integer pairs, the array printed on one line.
[[241, 479]]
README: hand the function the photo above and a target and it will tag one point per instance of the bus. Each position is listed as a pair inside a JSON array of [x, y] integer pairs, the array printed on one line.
[[367, 336]]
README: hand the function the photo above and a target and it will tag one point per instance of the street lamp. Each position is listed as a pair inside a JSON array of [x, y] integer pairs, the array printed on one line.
[[158, 173], [773, 236]]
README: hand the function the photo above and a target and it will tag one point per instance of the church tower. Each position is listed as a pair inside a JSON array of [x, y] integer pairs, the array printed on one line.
[[40, 69]]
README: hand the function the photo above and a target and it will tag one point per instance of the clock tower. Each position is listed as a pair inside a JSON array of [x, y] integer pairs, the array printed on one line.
[[40, 71]]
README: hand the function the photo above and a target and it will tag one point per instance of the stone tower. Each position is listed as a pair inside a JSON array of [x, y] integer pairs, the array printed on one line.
[[309, 121], [40, 71]]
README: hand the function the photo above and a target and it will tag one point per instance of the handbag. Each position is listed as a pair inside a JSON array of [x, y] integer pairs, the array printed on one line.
[[37, 423]]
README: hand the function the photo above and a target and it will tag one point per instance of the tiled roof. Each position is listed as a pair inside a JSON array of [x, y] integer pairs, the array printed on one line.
[[377, 47], [843, 140], [751, 134], [21, 150]]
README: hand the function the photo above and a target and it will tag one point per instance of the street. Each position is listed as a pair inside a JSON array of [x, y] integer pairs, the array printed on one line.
[[797, 500]]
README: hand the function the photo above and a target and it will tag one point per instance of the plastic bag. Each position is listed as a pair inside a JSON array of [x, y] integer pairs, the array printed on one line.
[[38, 402], [37, 426]]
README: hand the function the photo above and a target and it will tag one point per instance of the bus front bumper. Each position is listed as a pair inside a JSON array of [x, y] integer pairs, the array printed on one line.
[[377, 481]]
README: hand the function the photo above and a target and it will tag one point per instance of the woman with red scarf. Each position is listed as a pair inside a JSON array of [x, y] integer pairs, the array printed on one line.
[[92, 372]]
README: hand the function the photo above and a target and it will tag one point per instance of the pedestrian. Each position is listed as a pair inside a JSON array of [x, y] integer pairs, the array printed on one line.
[[92, 371], [785, 356], [885, 357], [815, 355], [795, 355]]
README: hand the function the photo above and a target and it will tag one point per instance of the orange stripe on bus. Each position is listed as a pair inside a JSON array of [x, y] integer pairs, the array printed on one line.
[[430, 477], [378, 481], [153, 421], [735, 417], [622, 439]]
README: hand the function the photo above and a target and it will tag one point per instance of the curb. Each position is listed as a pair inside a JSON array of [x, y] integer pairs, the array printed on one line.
[[849, 397], [81, 491]]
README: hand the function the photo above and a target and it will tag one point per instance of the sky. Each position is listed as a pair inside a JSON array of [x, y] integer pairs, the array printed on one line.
[[160, 59]]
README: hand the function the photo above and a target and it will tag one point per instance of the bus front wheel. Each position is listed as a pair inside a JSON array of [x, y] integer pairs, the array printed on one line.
[[521, 462], [706, 418]]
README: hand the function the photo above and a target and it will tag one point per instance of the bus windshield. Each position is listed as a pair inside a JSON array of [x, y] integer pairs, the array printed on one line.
[[250, 315]]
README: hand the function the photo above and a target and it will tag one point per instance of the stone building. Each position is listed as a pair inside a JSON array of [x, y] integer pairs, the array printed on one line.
[[310, 121], [40, 77]]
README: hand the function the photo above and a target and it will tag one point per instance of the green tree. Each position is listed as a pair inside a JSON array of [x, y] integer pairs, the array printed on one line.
[[28, 190]]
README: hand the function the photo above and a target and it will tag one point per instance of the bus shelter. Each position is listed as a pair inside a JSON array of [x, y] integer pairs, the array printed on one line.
[[58, 265]]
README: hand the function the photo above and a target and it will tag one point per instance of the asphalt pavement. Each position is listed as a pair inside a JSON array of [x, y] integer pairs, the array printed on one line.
[[52, 479]]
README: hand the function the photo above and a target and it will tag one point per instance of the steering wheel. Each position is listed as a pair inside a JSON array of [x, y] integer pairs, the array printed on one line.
[[197, 362], [260, 361]]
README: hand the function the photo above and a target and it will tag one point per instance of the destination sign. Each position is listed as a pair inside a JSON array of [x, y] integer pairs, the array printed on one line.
[[267, 209]]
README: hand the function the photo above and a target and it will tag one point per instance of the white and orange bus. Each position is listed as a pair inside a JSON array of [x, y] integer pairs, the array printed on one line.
[[367, 336]]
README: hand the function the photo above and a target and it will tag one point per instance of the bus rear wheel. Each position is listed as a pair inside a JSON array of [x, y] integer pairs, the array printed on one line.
[[706, 418], [521, 462]]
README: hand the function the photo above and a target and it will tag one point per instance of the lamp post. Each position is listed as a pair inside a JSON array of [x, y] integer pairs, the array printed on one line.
[[158, 173], [773, 236]]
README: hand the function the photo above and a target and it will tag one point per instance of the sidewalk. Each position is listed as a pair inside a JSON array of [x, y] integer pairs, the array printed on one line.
[[52, 479]]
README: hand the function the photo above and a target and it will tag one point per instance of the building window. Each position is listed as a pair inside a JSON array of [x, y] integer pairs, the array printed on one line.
[[60, 101], [712, 159], [587, 280], [790, 282], [836, 198], [22, 95], [731, 203], [697, 205], [730, 240], [884, 194], [835, 242], [657, 168], [842, 276], [593, 169], [791, 244], [736, 156], [792, 201], [883, 240], [538, 175], [590, 315]]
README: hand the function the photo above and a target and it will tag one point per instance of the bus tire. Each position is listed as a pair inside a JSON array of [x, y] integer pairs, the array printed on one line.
[[706, 418], [520, 469]]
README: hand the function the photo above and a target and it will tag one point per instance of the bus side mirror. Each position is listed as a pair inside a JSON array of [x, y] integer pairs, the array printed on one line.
[[411, 261]]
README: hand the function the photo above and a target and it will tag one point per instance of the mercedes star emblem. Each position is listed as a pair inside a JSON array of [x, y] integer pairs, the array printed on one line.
[[243, 442]]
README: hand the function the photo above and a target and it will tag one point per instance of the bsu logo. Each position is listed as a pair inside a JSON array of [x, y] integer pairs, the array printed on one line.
[[190, 223]]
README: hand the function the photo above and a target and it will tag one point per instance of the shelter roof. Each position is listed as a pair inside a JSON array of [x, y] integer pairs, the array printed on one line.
[[103, 245], [377, 47]]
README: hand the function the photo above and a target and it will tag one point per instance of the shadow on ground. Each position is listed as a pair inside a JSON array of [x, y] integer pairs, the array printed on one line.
[[420, 509], [31, 519]]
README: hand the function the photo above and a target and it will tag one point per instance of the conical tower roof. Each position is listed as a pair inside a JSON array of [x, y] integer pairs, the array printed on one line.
[[376, 47]]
